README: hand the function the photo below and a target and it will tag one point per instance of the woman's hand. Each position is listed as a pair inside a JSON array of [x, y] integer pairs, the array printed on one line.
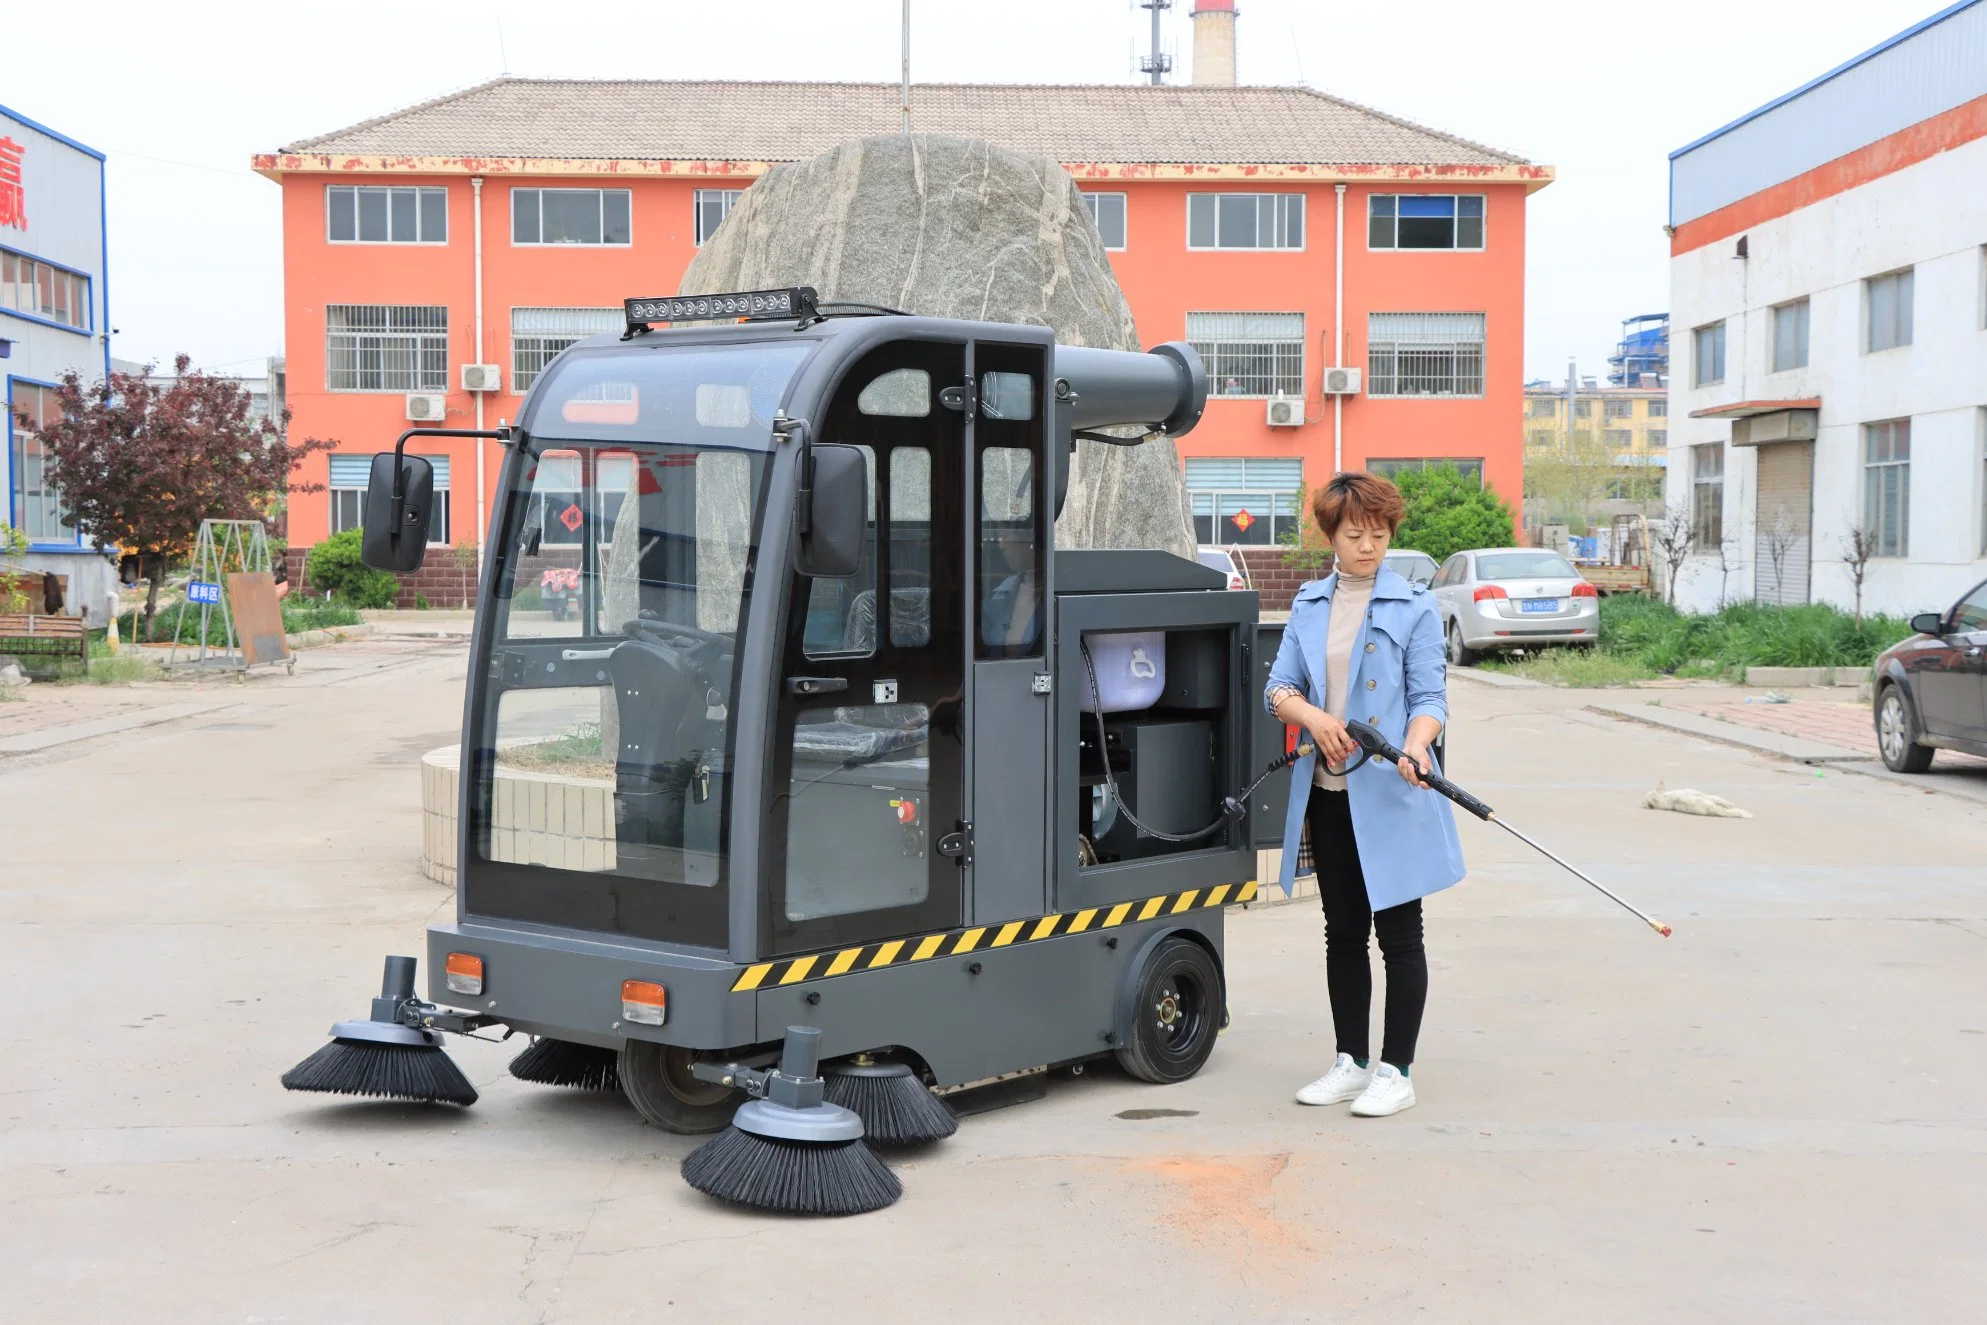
[[1335, 744], [1415, 764]]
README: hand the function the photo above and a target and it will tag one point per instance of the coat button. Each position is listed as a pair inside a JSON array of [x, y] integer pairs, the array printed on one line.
[[1369, 648], [1371, 684]]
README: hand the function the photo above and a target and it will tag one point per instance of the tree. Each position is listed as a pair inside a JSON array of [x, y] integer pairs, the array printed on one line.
[[141, 465], [13, 594], [1568, 480], [1858, 546], [1674, 538], [1449, 511], [1780, 537]]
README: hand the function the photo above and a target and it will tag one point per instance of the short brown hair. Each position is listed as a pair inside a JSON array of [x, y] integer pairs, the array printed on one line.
[[1357, 493]]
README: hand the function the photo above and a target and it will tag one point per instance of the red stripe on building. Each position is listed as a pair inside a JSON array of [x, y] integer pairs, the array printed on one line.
[[1907, 147]]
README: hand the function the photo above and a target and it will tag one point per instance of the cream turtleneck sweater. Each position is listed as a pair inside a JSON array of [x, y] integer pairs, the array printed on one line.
[[1349, 600]]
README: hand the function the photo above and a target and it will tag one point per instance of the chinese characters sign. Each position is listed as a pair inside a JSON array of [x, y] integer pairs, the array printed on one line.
[[13, 197]]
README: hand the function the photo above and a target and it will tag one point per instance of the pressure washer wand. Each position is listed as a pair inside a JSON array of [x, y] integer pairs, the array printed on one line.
[[1379, 747]]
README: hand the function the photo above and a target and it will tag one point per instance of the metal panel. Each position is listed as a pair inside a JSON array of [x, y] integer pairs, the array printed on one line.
[[1783, 527], [1010, 805], [1933, 68], [1266, 807]]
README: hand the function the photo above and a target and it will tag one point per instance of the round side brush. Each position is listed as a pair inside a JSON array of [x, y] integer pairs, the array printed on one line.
[[787, 1149], [1377, 746], [896, 1108], [550, 1062], [384, 1057]]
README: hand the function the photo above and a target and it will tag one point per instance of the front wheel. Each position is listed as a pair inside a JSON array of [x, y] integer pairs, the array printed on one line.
[[1460, 654], [1180, 1005], [1897, 735], [656, 1079]]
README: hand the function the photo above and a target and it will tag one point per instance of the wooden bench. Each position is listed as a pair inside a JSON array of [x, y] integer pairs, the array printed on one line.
[[57, 637]]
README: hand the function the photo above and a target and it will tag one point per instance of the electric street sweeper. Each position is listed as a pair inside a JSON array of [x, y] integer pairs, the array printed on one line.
[[836, 739]]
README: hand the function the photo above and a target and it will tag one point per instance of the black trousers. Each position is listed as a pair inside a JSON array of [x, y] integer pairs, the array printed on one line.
[[1349, 918]]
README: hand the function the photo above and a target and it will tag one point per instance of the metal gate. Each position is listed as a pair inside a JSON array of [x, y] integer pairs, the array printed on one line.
[[1783, 523]]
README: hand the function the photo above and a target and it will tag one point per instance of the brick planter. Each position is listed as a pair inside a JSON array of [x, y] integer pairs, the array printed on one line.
[[536, 818]]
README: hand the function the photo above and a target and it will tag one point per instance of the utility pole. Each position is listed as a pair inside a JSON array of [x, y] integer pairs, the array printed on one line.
[[905, 103], [1157, 64]]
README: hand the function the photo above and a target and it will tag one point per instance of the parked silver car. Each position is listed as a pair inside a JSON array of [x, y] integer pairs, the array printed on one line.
[[1513, 598], [1417, 567], [1216, 558]]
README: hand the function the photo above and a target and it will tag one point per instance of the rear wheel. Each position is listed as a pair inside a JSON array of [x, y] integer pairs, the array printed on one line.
[[1179, 1008], [1897, 734], [657, 1081], [1460, 654]]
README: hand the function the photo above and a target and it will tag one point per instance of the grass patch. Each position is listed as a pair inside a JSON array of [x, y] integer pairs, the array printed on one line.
[[1643, 637], [112, 670], [574, 753]]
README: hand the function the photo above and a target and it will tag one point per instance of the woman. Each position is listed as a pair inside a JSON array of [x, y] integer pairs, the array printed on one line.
[[1365, 642]]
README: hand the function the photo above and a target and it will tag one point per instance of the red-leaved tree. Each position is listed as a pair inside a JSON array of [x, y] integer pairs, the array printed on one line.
[[141, 465]]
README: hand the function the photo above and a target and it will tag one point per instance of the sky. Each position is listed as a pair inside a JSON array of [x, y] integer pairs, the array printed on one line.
[[180, 100]]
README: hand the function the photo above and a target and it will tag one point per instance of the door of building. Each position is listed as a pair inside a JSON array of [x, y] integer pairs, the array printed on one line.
[[1783, 523]]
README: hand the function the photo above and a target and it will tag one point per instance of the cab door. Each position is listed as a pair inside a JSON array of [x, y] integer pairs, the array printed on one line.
[[868, 749]]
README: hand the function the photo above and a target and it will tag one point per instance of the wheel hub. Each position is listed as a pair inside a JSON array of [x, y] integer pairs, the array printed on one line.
[[1167, 1012]]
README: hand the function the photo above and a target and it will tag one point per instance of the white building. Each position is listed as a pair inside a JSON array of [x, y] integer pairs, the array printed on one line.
[[53, 319], [1828, 286]]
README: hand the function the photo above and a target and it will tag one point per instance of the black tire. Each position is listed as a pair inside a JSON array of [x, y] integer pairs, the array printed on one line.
[[1897, 733], [656, 1079], [1177, 1013], [1460, 654]]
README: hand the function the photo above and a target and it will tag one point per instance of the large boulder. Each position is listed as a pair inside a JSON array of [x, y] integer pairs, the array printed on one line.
[[951, 227]]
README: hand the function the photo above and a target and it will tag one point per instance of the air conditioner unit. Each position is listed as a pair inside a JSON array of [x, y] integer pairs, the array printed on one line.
[[1341, 381], [424, 408], [1285, 412], [482, 377]]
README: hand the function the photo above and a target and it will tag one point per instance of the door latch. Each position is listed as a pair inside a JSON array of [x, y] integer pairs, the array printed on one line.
[[816, 685], [958, 845], [963, 399], [1039, 683]]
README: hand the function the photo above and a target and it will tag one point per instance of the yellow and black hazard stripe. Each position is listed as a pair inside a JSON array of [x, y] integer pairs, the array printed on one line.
[[981, 938]]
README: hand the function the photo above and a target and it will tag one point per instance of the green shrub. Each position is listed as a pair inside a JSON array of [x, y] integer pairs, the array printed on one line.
[[301, 614], [1448, 512], [334, 565]]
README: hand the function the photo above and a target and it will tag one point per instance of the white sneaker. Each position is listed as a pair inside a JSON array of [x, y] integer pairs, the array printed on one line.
[[1387, 1093], [1344, 1082]]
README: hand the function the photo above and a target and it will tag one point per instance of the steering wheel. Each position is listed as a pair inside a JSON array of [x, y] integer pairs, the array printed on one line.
[[665, 630]]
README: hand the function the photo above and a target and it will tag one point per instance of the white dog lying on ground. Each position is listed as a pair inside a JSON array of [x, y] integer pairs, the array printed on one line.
[[1689, 801]]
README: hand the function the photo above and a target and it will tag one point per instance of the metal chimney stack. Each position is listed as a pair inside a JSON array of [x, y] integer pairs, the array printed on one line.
[[1214, 43]]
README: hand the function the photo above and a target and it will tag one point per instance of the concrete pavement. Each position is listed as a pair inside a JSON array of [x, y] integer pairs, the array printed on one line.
[[1774, 1115]]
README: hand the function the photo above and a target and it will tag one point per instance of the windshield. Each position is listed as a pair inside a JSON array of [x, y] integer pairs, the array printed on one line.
[[619, 603], [1523, 565]]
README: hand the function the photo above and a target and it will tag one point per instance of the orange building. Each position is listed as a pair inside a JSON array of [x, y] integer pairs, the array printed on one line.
[[1282, 231]]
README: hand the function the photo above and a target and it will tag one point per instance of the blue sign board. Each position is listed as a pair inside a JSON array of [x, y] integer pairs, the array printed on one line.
[[199, 591]]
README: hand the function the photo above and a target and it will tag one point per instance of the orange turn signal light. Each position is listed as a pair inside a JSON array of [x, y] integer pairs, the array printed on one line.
[[644, 1002], [463, 973]]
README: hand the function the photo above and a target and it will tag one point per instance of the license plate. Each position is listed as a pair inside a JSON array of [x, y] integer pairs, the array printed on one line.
[[1539, 605]]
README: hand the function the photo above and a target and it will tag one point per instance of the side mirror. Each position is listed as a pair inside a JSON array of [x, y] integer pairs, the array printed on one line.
[[834, 511], [397, 513], [1929, 623]]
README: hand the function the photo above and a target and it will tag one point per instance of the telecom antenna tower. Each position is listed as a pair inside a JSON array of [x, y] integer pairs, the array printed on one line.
[[1158, 64]]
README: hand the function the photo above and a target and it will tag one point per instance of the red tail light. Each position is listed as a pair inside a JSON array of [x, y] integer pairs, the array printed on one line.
[[1484, 591], [1585, 590]]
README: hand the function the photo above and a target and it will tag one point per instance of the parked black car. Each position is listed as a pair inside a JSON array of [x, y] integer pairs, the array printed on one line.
[[1931, 690]]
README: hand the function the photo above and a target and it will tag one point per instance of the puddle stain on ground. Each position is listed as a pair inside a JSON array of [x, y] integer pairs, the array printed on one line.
[[1224, 1203], [1140, 1115]]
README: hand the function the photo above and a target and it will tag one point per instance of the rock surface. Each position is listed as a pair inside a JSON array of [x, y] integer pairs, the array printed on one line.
[[950, 227]]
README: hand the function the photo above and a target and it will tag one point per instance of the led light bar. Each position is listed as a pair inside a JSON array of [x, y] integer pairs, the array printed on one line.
[[795, 301]]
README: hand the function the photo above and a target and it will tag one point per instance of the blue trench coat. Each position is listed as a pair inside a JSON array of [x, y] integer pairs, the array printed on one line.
[[1407, 837]]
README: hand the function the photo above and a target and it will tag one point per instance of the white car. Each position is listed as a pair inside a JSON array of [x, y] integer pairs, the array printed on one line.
[[1513, 598], [1221, 559]]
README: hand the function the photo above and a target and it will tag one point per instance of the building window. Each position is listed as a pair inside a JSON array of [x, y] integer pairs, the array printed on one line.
[[1707, 355], [39, 290], [1790, 336], [1541, 438], [1251, 502], [570, 216], [1659, 437], [385, 216], [1583, 409], [351, 475], [1245, 220], [1543, 407], [1108, 211], [386, 347], [1424, 354], [1424, 220], [1889, 303], [1659, 409], [35, 503], [1707, 494], [1887, 486], [1250, 354], [1621, 437], [538, 334], [712, 206], [1618, 409], [1470, 467]]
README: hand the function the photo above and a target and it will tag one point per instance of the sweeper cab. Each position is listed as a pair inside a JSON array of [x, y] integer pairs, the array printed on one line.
[[832, 735]]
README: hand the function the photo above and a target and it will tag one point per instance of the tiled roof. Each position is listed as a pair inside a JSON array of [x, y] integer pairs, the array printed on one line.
[[717, 121]]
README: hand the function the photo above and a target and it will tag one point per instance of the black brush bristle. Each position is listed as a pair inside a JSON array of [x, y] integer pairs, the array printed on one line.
[[391, 1071], [562, 1063], [795, 1177], [895, 1111]]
